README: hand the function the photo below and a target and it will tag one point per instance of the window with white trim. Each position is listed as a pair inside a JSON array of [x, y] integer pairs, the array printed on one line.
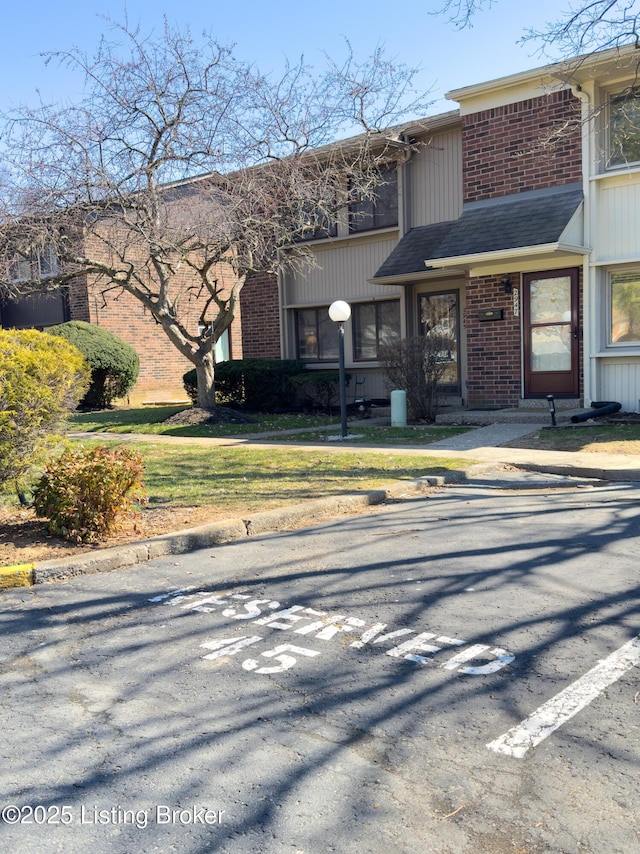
[[624, 128], [623, 309]]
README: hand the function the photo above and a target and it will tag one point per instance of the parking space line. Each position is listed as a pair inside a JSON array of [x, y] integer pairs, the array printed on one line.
[[561, 708]]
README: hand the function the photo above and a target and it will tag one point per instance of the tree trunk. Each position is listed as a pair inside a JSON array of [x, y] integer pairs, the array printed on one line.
[[205, 373]]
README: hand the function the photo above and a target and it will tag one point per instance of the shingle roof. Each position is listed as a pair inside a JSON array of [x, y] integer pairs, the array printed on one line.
[[529, 219]]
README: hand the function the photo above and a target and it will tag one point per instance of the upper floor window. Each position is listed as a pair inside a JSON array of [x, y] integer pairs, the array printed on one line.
[[379, 211], [624, 308], [624, 128], [318, 226], [374, 324], [29, 265], [317, 335]]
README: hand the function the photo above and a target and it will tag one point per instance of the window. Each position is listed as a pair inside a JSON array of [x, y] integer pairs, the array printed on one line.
[[624, 128], [30, 265], [624, 309], [317, 335], [381, 211], [374, 324], [222, 351], [317, 224]]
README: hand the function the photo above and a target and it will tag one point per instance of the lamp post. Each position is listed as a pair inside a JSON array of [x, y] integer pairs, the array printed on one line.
[[339, 312]]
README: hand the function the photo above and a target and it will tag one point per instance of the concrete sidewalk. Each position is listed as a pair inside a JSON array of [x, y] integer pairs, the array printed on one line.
[[483, 448]]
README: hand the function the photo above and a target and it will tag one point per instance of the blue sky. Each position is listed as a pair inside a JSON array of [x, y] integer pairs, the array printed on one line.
[[268, 32]]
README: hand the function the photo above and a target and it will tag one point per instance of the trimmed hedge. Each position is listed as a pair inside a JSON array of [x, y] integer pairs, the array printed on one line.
[[262, 385], [114, 363], [321, 389]]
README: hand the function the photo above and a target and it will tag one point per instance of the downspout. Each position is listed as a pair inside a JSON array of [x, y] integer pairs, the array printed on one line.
[[404, 219], [588, 285], [281, 312]]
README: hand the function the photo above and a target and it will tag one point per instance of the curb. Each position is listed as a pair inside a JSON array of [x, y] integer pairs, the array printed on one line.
[[270, 521], [215, 533], [16, 575]]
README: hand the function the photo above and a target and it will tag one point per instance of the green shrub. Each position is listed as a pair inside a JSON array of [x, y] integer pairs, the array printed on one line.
[[114, 363], [263, 385], [321, 389], [85, 494], [41, 380]]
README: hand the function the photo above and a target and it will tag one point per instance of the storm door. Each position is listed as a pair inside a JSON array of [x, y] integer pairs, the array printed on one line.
[[439, 316], [551, 333]]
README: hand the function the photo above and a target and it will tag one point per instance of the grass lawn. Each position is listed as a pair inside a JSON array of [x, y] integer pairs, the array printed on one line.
[[150, 419], [189, 485], [250, 478], [607, 438]]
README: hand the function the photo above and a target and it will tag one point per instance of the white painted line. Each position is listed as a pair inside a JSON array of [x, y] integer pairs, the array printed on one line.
[[567, 703]]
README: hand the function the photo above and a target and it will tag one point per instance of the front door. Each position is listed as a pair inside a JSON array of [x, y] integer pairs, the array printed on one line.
[[551, 333], [439, 316]]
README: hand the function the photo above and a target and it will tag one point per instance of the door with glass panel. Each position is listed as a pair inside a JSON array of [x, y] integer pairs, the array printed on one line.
[[439, 318], [551, 333]]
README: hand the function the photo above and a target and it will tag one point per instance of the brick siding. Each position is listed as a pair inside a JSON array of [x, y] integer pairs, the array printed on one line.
[[504, 152], [260, 317], [494, 368], [493, 347], [161, 364]]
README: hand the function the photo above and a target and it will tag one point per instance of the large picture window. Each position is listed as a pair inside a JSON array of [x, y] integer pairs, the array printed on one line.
[[317, 335], [380, 211], [624, 309], [624, 128], [374, 324]]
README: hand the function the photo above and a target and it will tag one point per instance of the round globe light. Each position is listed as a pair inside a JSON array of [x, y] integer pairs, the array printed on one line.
[[339, 311]]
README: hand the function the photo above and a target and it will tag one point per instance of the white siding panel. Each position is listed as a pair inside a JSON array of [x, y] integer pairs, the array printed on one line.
[[620, 382], [342, 273], [435, 177], [618, 222]]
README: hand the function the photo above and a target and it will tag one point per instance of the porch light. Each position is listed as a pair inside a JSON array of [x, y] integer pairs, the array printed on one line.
[[340, 312]]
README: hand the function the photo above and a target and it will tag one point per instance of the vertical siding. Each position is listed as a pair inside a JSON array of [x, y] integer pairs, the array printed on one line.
[[620, 379], [618, 215], [435, 178]]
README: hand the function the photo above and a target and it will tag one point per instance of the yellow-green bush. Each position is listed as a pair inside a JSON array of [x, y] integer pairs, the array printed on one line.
[[42, 378], [87, 492]]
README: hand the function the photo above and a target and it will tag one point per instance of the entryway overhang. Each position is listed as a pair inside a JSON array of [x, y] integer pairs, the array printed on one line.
[[523, 258], [526, 231]]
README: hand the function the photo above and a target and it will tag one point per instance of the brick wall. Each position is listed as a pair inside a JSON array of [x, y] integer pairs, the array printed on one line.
[[493, 347], [79, 300], [494, 368], [260, 317], [504, 150], [161, 364]]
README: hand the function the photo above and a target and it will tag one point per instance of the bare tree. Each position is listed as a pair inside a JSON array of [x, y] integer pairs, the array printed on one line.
[[581, 27], [182, 170]]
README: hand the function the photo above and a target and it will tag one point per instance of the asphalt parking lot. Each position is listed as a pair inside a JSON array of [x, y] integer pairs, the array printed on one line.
[[455, 673]]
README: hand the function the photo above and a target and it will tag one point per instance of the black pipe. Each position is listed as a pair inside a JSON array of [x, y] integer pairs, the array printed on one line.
[[601, 407]]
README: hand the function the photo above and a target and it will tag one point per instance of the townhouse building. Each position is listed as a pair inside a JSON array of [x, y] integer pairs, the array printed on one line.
[[512, 225], [509, 225]]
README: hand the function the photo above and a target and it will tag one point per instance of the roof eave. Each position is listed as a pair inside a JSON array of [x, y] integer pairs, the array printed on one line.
[[483, 259]]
